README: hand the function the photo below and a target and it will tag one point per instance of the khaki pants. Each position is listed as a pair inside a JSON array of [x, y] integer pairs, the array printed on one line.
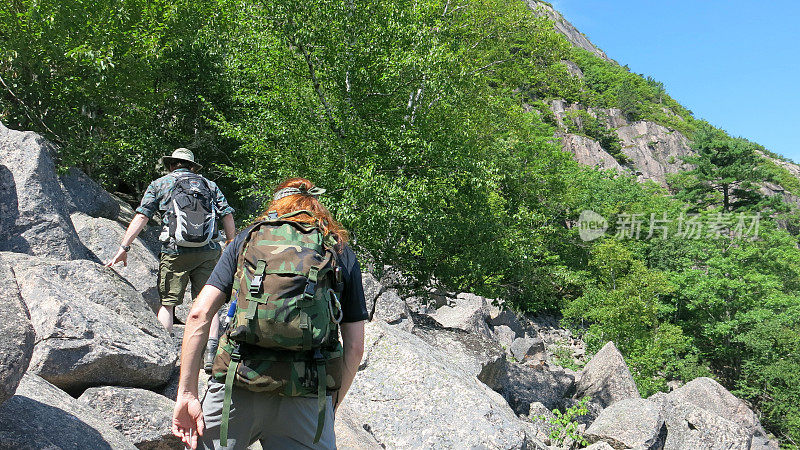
[[278, 422], [175, 272]]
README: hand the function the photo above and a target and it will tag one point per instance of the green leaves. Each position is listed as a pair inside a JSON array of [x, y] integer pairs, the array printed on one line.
[[428, 124], [725, 171]]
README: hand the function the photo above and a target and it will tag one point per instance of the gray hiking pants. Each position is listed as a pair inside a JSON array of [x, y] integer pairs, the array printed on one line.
[[278, 422]]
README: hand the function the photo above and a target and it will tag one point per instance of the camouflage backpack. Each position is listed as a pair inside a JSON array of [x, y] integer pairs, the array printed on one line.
[[284, 338]]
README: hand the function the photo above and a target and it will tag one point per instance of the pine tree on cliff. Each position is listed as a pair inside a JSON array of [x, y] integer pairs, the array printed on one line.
[[726, 171]]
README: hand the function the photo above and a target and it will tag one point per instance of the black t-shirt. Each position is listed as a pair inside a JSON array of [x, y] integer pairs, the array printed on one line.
[[354, 305]]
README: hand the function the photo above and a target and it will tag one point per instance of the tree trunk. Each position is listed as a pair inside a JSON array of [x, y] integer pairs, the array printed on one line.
[[726, 200]]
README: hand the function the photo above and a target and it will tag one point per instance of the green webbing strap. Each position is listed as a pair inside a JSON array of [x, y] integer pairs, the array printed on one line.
[[305, 325], [311, 287], [258, 277], [322, 403], [226, 403], [250, 312]]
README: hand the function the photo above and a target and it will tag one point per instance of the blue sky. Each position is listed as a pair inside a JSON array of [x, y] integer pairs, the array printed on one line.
[[733, 63]]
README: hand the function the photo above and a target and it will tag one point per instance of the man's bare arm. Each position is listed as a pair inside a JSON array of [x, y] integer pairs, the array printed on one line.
[[229, 227], [353, 343], [137, 224], [187, 418]]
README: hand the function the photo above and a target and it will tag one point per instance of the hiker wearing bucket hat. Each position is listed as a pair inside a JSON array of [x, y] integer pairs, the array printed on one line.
[[189, 205], [181, 155]]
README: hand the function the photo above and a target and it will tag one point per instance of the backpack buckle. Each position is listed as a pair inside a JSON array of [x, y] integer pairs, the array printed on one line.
[[311, 287], [272, 215], [255, 285], [258, 277], [236, 355]]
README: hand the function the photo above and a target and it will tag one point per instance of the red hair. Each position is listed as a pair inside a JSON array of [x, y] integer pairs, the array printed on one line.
[[307, 202]]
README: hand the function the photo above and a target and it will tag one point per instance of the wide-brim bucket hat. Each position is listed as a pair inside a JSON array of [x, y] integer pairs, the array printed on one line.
[[180, 154]]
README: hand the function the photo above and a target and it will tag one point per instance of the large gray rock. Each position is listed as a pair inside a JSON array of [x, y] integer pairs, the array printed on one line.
[[505, 317], [589, 152], [86, 196], [412, 396], [654, 150], [40, 416], [390, 308], [144, 417], [762, 443], [689, 426], [16, 333], [612, 117], [572, 68], [504, 335], [629, 423], [542, 384], [103, 236], [468, 312], [599, 446], [473, 353], [350, 431], [93, 327], [528, 348], [711, 396], [34, 217], [606, 378]]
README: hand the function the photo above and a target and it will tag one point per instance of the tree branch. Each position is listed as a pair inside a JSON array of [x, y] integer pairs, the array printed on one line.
[[316, 85]]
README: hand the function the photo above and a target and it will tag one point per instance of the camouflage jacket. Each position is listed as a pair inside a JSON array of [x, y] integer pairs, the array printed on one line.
[[156, 199]]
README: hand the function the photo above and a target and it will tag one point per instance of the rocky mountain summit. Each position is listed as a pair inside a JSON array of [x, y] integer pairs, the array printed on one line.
[[649, 150], [563, 26], [86, 364]]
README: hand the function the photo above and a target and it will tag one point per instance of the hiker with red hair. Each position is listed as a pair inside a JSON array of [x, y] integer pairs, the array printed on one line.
[[281, 371]]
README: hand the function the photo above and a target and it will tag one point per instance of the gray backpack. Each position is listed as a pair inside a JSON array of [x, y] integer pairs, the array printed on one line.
[[191, 217]]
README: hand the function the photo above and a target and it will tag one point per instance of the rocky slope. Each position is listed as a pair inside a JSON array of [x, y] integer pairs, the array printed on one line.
[[652, 151], [572, 34], [452, 371]]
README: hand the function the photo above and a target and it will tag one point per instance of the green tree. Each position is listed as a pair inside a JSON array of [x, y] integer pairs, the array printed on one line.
[[726, 171], [626, 304]]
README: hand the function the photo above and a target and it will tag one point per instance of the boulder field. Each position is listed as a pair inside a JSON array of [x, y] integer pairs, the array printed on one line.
[[85, 364]]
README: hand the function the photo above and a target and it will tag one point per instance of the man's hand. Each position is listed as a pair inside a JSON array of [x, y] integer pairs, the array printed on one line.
[[187, 420], [137, 223], [121, 255]]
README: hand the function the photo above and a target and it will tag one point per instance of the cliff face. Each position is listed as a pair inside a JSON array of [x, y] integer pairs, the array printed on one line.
[[651, 151], [574, 36]]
